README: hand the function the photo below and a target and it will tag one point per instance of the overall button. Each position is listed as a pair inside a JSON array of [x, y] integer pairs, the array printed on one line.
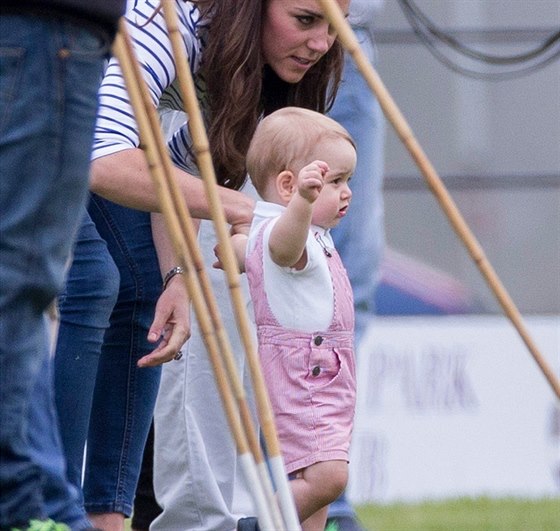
[[318, 340], [316, 370]]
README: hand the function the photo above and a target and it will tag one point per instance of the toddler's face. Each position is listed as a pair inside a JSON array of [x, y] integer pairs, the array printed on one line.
[[333, 201]]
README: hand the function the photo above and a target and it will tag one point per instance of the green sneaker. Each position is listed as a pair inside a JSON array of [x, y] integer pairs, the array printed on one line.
[[343, 523], [42, 525]]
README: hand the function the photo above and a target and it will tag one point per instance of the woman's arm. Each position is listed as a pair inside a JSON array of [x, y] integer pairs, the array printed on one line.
[[119, 169], [171, 325], [124, 178]]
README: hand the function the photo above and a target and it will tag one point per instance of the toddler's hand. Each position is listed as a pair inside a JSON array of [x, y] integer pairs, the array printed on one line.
[[239, 243], [311, 179]]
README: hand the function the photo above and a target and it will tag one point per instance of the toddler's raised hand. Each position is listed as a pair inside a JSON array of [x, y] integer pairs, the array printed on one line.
[[311, 179]]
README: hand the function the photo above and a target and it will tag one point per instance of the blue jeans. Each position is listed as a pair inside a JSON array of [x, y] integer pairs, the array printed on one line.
[[61, 497], [360, 236], [94, 278], [105, 313], [48, 102]]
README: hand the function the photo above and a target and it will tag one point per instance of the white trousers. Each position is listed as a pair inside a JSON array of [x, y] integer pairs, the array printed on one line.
[[198, 480]]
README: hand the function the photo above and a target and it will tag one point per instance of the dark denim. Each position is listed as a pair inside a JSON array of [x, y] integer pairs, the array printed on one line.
[[85, 307], [60, 496], [106, 399], [49, 74]]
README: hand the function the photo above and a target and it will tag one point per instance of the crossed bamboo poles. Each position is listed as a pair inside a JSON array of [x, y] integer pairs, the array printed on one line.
[[434, 182], [274, 512]]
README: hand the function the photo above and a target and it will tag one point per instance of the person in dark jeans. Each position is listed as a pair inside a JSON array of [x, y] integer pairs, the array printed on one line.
[[52, 54]]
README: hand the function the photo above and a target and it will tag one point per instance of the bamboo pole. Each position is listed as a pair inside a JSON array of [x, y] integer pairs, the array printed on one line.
[[180, 224], [204, 159], [434, 182]]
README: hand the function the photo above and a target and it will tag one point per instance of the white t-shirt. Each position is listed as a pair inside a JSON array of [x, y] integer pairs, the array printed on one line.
[[299, 299]]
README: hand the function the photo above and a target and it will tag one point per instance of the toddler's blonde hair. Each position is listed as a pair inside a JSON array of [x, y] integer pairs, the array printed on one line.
[[285, 139]]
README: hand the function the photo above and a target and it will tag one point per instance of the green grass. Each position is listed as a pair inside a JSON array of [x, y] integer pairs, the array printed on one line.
[[465, 514]]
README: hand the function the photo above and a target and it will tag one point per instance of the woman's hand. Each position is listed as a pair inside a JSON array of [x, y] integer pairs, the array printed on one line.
[[171, 325]]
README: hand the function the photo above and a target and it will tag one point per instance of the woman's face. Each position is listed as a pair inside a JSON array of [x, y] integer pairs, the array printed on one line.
[[295, 35]]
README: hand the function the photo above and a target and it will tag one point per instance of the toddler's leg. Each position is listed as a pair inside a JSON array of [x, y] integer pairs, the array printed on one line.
[[315, 487], [316, 521]]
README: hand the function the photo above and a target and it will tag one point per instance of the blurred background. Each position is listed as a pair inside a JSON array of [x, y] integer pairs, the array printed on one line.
[[494, 139], [451, 403]]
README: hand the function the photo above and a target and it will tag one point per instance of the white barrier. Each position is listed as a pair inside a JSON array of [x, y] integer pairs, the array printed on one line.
[[455, 406]]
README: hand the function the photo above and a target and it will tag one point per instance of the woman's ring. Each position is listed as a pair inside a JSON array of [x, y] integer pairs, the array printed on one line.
[[178, 356]]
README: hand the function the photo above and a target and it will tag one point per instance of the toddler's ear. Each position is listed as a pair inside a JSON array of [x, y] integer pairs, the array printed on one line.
[[285, 185]]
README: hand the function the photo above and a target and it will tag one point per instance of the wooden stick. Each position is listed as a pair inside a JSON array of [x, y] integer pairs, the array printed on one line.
[[204, 159], [393, 114], [180, 224]]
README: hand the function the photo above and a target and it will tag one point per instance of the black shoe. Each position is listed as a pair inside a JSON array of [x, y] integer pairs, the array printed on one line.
[[248, 524], [343, 523]]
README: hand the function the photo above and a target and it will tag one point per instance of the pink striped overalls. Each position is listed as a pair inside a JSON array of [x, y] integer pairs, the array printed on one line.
[[310, 376]]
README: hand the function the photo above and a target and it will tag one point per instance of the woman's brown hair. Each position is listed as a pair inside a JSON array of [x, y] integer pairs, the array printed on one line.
[[239, 88]]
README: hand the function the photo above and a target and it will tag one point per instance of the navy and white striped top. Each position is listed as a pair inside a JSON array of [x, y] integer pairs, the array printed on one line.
[[116, 128]]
